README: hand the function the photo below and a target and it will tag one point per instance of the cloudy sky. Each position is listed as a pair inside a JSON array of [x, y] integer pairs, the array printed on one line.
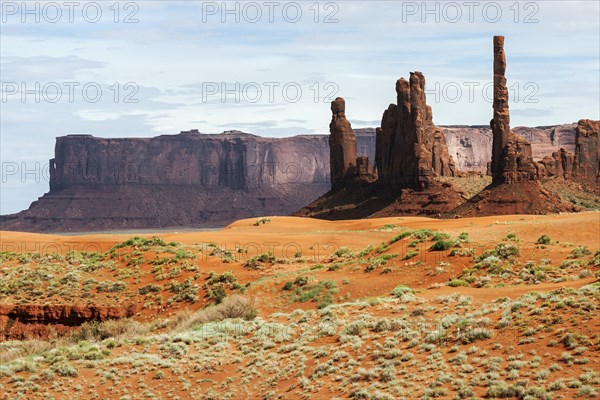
[[144, 68]]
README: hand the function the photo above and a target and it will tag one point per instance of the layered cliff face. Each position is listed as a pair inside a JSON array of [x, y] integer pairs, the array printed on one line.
[[410, 149], [236, 161], [471, 146], [587, 151]]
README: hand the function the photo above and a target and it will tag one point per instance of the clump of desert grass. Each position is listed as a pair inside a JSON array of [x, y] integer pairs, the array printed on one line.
[[236, 306]]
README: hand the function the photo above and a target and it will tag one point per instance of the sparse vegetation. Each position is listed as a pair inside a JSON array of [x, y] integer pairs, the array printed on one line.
[[327, 328]]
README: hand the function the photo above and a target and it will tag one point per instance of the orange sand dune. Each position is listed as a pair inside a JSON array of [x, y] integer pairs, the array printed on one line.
[[285, 233]]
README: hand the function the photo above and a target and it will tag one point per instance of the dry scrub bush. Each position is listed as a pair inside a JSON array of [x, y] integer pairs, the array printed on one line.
[[236, 306], [124, 328], [16, 349]]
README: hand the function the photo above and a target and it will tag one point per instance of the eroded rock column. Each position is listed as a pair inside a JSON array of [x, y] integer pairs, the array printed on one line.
[[342, 145], [500, 123]]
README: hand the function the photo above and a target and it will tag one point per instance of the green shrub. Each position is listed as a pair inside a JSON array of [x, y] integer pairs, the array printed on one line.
[[288, 286], [504, 391], [138, 242], [365, 251], [184, 291], [441, 245], [334, 267], [327, 300], [225, 277], [111, 287], [472, 335], [466, 252], [505, 251], [354, 328], [301, 280], [420, 234], [544, 239], [440, 236], [343, 252], [149, 289], [502, 251], [217, 293], [410, 255], [511, 236], [595, 261], [458, 282], [262, 221], [256, 261], [400, 290], [64, 370], [580, 251]]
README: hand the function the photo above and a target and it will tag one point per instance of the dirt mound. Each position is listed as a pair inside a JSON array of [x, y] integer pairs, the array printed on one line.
[[527, 197], [379, 200]]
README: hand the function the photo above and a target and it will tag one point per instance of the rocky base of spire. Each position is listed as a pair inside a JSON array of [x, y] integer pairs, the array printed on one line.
[[526, 197], [517, 164], [381, 200]]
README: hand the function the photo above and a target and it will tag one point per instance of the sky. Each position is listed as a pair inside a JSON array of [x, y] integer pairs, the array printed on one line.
[[146, 68]]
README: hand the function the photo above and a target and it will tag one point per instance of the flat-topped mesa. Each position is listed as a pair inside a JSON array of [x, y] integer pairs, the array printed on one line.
[[511, 155], [345, 167], [410, 149]]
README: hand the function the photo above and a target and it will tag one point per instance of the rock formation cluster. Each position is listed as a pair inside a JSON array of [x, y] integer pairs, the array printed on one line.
[[512, 158], [515, 188], [410, 152], [471, 146], [410, 149]]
